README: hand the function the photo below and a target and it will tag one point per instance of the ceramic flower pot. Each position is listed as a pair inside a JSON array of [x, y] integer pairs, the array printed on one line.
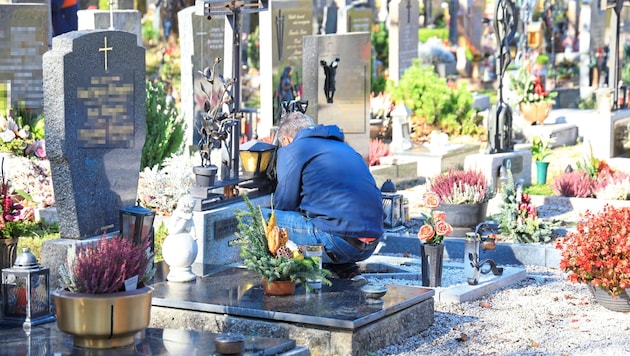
[[535, 113], [278, 288], [620, 304]]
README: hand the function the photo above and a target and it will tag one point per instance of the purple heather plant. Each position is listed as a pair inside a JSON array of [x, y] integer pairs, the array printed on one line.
[[576, 184], [103, 266], [457, 186]]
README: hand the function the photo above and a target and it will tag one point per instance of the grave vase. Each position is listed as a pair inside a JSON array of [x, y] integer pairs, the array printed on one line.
[[8, 252], [464, 215], [278, 288], [536, 112], [103, 321], [620, 304], [541, 172], [432, 264]]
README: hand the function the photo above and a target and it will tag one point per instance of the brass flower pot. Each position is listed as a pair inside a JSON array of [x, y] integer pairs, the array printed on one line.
[[278, 288], [8, 252], [101, 321]]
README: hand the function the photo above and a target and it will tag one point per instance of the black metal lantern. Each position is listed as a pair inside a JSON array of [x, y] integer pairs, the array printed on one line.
[[136, 223], [26, 291], [256, 157], [392, 206]]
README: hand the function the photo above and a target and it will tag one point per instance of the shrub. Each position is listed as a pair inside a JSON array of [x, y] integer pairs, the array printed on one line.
[[433, 102], [573, 184], [378, 149], [460, 187], [165, 128]]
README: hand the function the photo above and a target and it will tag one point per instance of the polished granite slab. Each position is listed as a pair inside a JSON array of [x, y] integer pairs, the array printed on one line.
[[47, 340], [238, 292]]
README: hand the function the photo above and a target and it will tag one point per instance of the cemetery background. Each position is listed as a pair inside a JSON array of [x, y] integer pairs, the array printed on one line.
[[561, 156]]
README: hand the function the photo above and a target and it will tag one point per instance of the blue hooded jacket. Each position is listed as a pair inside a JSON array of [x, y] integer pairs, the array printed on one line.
[[326, 179]]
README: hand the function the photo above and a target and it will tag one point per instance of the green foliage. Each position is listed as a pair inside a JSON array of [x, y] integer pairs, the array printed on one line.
[[165, 128], [37, 234], [540, 149], [253, 49], [380, 43], [518, 218], [159, 236], [424, 34], [149, 33], [434, 103], [539, 189], [588, 103], [258, 258]]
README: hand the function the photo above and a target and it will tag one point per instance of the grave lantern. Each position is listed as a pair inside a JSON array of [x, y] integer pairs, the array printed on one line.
[[392, 205], [256, 156], [26, 291], [136, 223]]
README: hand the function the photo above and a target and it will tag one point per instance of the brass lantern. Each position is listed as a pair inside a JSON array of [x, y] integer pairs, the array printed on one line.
[[392, 206], [136, 223], [256, 156], [26, 291]]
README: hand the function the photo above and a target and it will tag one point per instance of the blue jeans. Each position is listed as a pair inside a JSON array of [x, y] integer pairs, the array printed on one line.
[[336, 248]]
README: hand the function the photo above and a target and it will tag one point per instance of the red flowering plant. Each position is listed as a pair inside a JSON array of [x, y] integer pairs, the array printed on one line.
[[598, 251], [15, 220], [435, 227]]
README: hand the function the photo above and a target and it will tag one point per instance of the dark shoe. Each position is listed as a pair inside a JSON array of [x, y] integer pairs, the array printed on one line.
[[345, 270]]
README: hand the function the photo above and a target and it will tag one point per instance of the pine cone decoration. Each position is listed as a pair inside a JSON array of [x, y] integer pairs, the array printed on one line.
[[284, 251]]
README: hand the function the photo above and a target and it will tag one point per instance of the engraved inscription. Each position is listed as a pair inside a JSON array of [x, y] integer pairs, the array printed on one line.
[[224, 228]]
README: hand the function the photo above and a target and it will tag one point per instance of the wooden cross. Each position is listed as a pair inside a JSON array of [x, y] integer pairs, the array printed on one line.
[[105, 49]]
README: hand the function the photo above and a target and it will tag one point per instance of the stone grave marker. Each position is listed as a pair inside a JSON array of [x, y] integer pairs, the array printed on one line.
[[201, 42], [403, 36], [123, 20], [337, 70], [95, 105], [354, 19], [24, 35], [282, 28]]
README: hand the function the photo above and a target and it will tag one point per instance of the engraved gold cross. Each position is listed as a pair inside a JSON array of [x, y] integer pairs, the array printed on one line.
[[105, 49]]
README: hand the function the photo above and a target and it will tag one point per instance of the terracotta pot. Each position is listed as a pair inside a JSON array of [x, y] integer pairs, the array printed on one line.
[[101, 321], [535, 113], [278, 288]]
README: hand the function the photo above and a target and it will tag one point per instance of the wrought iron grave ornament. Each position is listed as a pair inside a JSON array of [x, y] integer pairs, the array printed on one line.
[[500, 123]]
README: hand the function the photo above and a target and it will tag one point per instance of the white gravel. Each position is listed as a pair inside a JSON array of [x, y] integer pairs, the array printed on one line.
[[542, 315]]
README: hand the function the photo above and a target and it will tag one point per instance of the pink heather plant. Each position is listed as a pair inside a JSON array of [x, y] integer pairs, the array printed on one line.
[[458, 186], [104, 265]]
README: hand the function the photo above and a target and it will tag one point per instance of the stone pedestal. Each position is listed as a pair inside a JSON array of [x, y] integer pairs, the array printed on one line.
[[521, 164]]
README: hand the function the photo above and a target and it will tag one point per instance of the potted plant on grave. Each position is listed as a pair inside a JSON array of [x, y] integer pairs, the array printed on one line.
[[597, 254], [535, 103], [100, 276], [540, 151], [463, 194], [267, 250], [431, 233]]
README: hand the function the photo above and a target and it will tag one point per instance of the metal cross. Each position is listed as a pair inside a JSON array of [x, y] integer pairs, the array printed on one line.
[[105, 49]]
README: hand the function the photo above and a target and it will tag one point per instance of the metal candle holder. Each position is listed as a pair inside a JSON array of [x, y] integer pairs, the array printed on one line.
[[473, 267]]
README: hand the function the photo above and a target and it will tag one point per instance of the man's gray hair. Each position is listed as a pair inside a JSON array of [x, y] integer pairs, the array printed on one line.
[[294, 122]]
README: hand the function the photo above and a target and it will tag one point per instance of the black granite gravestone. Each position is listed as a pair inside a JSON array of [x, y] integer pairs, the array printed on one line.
[[95, 104]]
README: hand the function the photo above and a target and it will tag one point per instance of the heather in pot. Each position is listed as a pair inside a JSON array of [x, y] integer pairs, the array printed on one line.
[[104, 266], [598, 251], [457, 186]]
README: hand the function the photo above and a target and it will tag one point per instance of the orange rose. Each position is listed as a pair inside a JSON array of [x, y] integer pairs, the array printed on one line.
[[443, 228], [426, 233], [438, 215], [431, 200]]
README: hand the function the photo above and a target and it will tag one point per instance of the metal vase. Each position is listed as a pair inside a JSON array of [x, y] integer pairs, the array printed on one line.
[[432, 261]]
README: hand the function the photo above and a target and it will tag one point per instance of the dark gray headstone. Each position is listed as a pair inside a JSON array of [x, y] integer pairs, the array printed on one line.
[[201, 42], [23, 40], [95, 105], [403, 36], [351, 82]]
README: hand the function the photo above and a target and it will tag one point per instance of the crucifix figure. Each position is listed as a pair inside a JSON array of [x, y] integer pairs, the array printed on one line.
[[105, 49], [330, 71]]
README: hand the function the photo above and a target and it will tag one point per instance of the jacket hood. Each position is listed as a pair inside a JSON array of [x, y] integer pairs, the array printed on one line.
[[332, 132]]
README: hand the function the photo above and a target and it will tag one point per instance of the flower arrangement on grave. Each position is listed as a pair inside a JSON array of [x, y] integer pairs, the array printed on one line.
[[15, 220], [457, 186], [105, 265], [598, 251], [535, 102], [267, 250], [22, 134], [434, 227], [540, 149], [518, 218]]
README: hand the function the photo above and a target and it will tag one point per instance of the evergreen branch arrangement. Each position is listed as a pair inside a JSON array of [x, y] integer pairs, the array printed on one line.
[[266, 250]]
